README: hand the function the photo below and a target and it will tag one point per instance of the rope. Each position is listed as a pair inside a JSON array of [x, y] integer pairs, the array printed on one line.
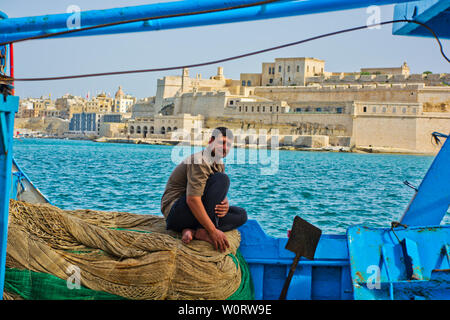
[[407, 183], [437, 135], [154, 264], [395, 224]]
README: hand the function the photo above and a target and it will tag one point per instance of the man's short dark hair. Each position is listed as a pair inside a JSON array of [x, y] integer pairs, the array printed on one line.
[[222, 131]]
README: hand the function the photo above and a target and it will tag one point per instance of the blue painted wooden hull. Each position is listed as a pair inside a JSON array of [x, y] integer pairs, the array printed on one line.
[[325, 277]]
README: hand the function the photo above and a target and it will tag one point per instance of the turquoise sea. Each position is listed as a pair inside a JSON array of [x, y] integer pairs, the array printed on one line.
[[332, 190]]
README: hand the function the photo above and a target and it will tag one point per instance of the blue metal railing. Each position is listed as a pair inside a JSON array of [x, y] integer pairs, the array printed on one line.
[[19, 28]]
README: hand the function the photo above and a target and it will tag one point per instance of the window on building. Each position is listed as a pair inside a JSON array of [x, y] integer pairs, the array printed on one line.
[[298, 109], [278, 108], [231, 102], [318, 109], [279, 68], [253, 109], [243, 83], [240, 109], [289, 69], [384, 109], [264, 109], [364, 109], [394, 110], [257, 109], [270, 80], [340, 110], [271, 109], [298, 68], [246, 109], [404, 110], [249, 83]]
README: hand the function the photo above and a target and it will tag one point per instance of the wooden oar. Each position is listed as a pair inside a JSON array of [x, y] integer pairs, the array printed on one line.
[[303, 241]]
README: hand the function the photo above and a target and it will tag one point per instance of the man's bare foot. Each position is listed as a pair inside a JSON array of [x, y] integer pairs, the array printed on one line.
[[187, 235], [202, 234]]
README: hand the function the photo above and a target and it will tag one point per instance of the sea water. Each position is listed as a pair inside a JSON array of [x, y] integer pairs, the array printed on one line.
[[332, 190]]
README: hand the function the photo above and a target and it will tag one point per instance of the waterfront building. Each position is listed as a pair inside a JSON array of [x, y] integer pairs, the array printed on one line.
[[104, 103], [122, 102], [50, 112], [161, 126], [170, 87], [42, 104], [69, 104], [90, 124], [386, 108], [83, 124], [26, 108], [404, 69], [111, 125], [284, 72], [143, 108]]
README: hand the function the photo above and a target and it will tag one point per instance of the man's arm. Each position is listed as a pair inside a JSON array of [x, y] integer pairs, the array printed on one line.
[[196, 205]]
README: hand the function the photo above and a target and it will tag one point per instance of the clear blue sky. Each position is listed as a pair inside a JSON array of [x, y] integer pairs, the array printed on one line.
[[347, 52]]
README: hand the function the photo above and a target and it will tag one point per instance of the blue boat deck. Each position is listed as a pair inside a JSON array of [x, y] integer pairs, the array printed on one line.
[[327, 277]]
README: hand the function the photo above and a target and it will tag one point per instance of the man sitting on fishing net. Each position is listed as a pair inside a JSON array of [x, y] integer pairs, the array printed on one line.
[[195, 198]]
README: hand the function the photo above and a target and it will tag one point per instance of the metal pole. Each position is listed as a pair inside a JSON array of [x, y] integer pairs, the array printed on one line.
[[20, 28], [8, 107], [11, 64]]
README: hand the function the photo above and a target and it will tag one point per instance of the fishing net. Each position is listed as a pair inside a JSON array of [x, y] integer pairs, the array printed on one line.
[[86, 254]]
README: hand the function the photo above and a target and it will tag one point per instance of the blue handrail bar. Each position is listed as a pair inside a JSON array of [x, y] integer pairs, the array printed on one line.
[[20, 28]]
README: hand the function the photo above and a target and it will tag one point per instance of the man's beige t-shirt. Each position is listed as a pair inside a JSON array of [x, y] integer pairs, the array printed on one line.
[[189, 177]]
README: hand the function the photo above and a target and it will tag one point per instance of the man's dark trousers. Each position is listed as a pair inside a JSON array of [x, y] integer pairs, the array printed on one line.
[[181, 217]]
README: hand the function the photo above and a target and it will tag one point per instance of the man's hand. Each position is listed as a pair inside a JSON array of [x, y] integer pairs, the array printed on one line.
[[219, 240], [222, 208]]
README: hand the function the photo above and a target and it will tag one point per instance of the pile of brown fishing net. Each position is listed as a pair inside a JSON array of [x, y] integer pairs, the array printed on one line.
[[125, 254]]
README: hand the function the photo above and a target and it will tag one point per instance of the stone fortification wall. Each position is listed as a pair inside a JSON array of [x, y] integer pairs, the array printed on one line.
[[208, 104], [395, 92], [437, 79]]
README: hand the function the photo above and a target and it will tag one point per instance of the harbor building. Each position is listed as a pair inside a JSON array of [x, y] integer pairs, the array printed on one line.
[[91, 124], [162, 126], [380, 108], [83, 124], [122, 102]]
